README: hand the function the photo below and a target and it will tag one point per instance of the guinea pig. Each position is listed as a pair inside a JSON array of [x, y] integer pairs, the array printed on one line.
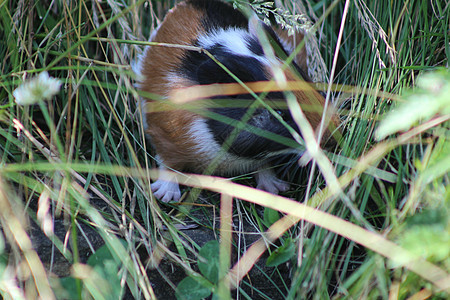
[[185, 140]]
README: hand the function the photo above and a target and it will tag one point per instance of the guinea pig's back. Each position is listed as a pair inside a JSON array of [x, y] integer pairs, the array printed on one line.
[[187, 141]]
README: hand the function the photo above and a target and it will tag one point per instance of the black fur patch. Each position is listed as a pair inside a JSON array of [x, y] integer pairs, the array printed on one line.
[[248, 143], [255, 47], [199, 68], [204, 70], [219, 15]]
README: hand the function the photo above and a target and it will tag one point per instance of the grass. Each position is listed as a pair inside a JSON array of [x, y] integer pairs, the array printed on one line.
[[371, 221]]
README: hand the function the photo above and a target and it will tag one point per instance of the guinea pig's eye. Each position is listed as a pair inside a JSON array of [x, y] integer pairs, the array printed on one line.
[[280, 112]]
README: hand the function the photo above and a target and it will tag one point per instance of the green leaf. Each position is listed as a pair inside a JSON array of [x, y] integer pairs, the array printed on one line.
[[107, 267], [102, 255], [67, 288], [105, 273], [439, 164], [191, 289], [430, 242], [431, 98], [270, 216], [282, 254], [429, 217], [208, 261]]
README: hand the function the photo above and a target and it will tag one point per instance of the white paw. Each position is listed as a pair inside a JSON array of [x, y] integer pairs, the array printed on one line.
[[166, 191], [267, 181]]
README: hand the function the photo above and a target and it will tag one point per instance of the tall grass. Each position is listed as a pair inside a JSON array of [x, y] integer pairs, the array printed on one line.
[[371, 221]]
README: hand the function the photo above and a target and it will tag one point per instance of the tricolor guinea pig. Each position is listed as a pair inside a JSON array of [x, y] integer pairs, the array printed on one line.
[[188, 141]]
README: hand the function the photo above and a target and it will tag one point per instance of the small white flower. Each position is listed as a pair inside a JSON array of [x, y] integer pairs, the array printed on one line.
[[42, 87]]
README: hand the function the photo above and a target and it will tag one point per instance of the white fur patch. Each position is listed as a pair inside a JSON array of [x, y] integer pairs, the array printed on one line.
[[235, 40], [209, 149], [175, 81], [137, 66], [204, 139], [142, 103], [153, 34]]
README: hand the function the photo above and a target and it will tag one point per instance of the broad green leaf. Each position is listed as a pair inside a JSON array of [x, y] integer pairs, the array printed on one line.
[[270, 216], [101, 255], [430, 242], [191, 289], [431, 98], [281, 255], [66, 289], [208, 261]]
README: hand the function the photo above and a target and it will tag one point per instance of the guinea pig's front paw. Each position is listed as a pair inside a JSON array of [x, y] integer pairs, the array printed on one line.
[[166, 191], [267, 181]]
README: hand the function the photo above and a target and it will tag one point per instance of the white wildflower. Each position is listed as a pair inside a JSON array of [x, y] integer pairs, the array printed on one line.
[[42, 87]]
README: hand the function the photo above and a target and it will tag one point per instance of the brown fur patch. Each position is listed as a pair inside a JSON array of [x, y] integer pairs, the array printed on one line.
[[314, 102], [169, 129], [180, 26], [172, 140]]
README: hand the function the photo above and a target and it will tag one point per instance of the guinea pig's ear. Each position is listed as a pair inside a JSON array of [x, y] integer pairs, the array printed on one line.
[[287, 42], [290, 43]]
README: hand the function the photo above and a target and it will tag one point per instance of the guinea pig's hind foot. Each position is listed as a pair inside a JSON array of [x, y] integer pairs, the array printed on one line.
[[267, 181], [166, 191]]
